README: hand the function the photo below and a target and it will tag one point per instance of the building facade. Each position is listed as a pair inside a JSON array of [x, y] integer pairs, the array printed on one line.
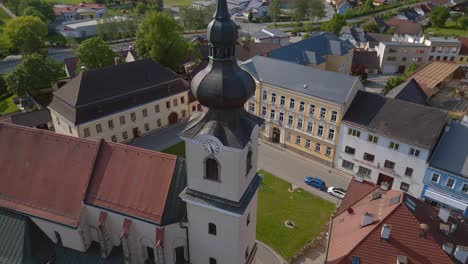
[[373, 144], [302, 111], [119, 115], [445, 49], [462, 57], [446, 178], [395, 57]]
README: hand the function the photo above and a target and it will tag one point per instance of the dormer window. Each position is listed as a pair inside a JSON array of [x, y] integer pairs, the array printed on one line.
[[248, 162], [212, 169]]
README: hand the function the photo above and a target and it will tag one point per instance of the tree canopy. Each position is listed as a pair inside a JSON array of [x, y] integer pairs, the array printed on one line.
[[160, 37], [26, 33], [94, 53], [196, 18], [439, 15], [315, 9], [35, 71], [274, 10], [334, 24]]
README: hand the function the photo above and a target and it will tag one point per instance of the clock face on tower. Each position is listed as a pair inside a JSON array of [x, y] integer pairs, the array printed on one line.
[[211, 147]]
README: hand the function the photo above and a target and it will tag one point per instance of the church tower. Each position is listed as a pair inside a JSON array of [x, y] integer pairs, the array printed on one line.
[[221, 155]]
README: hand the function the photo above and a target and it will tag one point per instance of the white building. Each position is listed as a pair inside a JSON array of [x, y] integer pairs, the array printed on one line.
[[388, 141], [395, 56], [445, 49], [271, 35], [84, 28]]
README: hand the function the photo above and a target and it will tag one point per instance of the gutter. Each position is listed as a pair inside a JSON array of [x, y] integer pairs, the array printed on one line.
[[188, 243]]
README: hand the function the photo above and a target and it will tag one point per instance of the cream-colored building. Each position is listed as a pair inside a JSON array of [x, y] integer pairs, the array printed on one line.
[[302, 106], [120, 102]]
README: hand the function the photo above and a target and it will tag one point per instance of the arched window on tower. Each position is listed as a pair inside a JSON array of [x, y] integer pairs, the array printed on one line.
[[213, 261], [248, 162], [212, 229], [212, 169]]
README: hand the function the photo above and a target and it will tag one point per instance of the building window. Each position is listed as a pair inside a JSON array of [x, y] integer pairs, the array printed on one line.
[[311, 110], [298, 139], [146, 127], [273, 98], [86, 132], [404, 186], [168, 104], [373, 139], [124, 135], [212, 229], [213, 261], [57, 120], [414, 152], [368, 157], [403, 59], [114, 138], [307, 143], [98, 128], [264, 111], [392, 58], [133, 117], [144, 112], [394, 146], [301, 106], [389, 164], [290, 120], [182, 100], [465, 188], [288, 136], [264, 95], [248, 219], [347, 165], [58, 238], [291, 103], [334, 116], [156, 108], [317, 147], [272, 114], [450, 183], [392, 50], [281, 117], [354, 132], [158, 122], [174, 102], [251, 107], [331, 134], [212, 169], [310, 126], [320, 131], [282, 100], [110, 123], [247, 252], [122, 120], [435, 177], [452, 58], [350, 150], [364, 171], [299, 123], [323, 112], [409, 172], [445, 58], [328, 151], [183, 113], [248, 162], [70, 130], [431, 58]]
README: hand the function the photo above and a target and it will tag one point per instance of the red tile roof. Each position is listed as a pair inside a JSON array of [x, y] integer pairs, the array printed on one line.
[[131, 181], [44, 174], [348, 238], [464, 47], [403, 26], [354, 194]]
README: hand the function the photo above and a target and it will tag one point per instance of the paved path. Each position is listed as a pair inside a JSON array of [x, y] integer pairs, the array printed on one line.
[[266, 255]]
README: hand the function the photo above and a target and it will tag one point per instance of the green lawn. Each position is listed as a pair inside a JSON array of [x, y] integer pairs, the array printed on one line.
[[451, 29], [178, 2], [177, 149], [7, 105], [276, 205]]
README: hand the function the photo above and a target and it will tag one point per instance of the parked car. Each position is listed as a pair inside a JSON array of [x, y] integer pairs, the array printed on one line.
[[315, 182], [337, 192]]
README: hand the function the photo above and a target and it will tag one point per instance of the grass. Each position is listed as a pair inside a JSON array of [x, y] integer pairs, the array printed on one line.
[[276, 205], [450, 29], [177, 149], [69, 2], [7, 105], [178, 3]]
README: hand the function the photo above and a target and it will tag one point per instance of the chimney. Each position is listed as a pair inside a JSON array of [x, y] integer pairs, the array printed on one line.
[[385, 233], [117, 60], [422, 230]]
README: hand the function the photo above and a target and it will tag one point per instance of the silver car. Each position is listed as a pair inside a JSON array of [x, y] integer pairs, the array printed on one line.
[[337, 192]]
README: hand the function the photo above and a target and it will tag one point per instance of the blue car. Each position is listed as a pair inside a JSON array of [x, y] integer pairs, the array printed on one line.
[[315, 182]]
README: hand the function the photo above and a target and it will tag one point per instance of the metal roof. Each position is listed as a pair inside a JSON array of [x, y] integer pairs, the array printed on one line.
[[12, 232], [409, 91]]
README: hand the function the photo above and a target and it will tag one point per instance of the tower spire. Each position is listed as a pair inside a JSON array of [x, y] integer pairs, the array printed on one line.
[[222, 12]]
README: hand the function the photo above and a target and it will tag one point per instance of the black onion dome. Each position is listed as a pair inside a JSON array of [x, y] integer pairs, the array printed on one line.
[[222, 84]]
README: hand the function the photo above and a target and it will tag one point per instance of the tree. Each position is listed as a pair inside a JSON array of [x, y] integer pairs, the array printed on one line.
[[141, 8], [35, 71], [463, 22], [196, 18], [300, 9], [371, 27], [315, 9], [334, 25], [274, 10], [94, 53], [160, 37], [31, 11], [370, 3], [250, 17], [26, 33], [439, 15], [42, 7], [392, 82]]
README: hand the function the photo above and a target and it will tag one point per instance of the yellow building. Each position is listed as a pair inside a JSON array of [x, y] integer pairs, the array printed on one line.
[[302, 106], [121, 102]]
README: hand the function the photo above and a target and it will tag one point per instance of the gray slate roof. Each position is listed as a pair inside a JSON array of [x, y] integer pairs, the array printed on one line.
[[312, 50], [409, 91], [358, 33], [451, 154], [97, 93], [327, 85], [32, 119], [412, 123]]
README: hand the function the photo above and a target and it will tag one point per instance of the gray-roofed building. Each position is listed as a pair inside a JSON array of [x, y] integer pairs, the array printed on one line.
[[409, 91], [322, 50], [446, 180], [375, 38], [302, 105], [37, 119], [388, 141], [368, 60], [355, 36], [271, 35], [120, 102]]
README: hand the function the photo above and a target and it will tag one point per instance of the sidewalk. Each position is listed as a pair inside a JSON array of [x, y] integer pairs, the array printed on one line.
[[266, 255], [161, 138]]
